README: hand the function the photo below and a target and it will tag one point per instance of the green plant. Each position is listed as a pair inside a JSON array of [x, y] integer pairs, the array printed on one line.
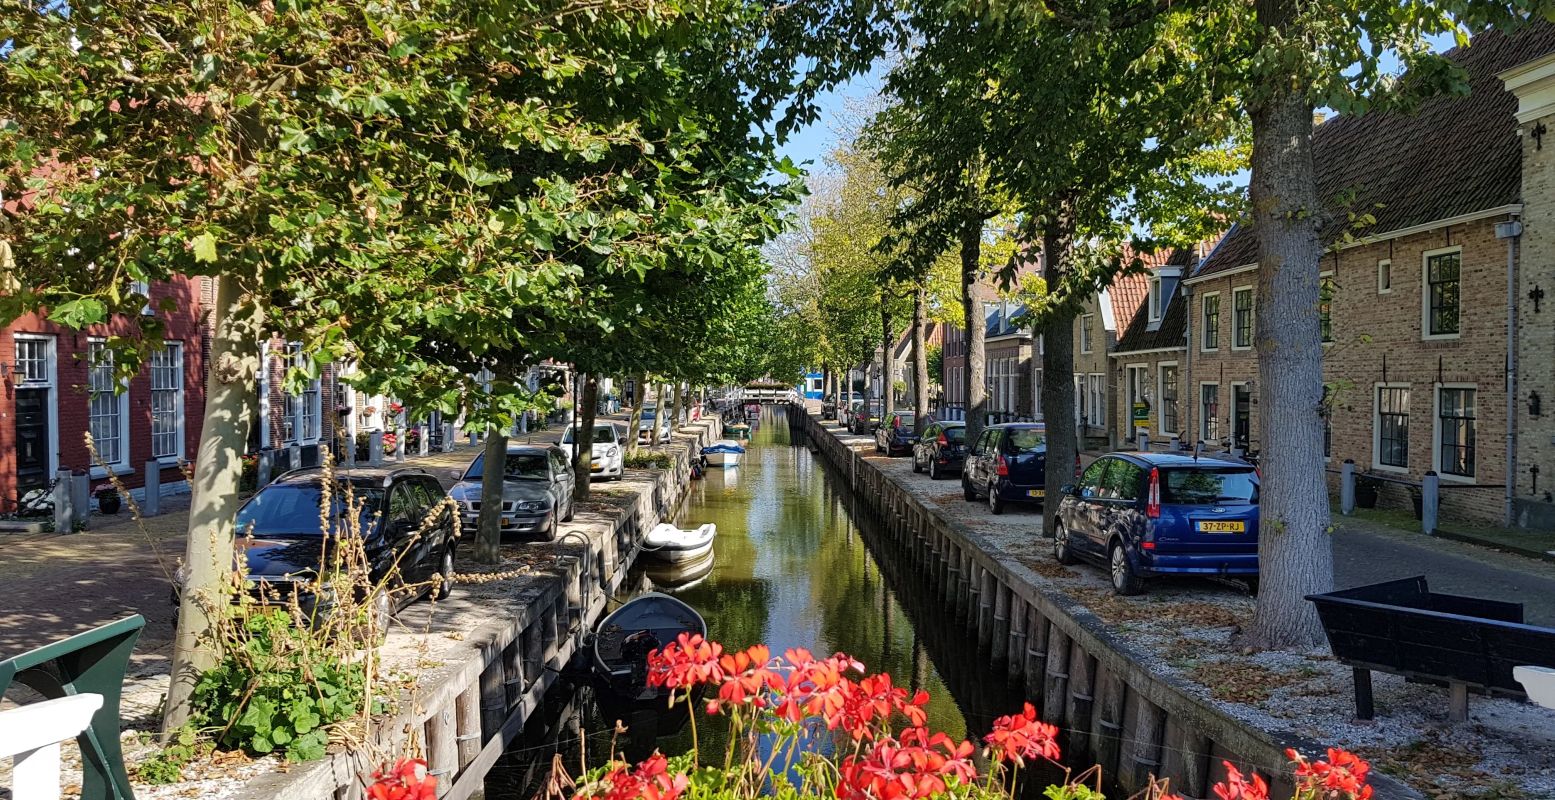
[[647, 459], [167, 765]]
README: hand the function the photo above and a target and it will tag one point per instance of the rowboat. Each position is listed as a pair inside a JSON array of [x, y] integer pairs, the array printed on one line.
[[723, 453], [623, 640], [670, 544]]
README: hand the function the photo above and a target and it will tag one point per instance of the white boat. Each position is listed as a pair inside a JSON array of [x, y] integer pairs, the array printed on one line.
[[669, 543], [723, 453]]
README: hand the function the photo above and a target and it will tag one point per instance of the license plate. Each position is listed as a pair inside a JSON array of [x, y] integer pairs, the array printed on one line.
[[1219, 526], [1036, 492]]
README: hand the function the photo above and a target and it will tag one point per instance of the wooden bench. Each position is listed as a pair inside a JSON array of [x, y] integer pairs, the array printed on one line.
[[1404, 628]]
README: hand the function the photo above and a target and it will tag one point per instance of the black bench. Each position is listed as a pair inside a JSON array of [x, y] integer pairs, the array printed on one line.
[[1404, 628]]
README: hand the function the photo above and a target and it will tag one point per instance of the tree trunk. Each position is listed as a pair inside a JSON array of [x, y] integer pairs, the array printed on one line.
[[230, 400], [1058, 395], [680, 406], [488, 526], [887, 362], [658, 413], [583, 461], [920, 365], [976, 326], [1295, 554], [639, 394]]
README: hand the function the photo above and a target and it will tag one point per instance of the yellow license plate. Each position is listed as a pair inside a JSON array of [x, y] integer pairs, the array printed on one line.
[[1215, 526], [1036, 492]]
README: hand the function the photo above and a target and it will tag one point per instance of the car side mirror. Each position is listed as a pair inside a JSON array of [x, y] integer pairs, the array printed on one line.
[[456, 474], [1069, 489], [621, 440]]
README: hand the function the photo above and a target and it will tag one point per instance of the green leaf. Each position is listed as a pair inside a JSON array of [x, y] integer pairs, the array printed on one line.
[[204, 247], [79, 313]]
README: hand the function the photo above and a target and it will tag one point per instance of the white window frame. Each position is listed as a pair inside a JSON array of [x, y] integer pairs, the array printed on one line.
[[291, 356], [122, 401], [1324, 275], [1154, 302], [1220, 322], [50, 382], [1204, 415], [1096, 385], [1160, 393], [1085, 333], [1231, 407], [1425, 294], [1135, 376], [1436, 432], [179, 422], [1385, 268], [1376, 426], [145, 289], [1252, 329]]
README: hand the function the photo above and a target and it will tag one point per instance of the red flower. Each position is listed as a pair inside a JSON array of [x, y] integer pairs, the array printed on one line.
[[868, 703], [649, 780], [913, 767], [1022, 736], [746, 675], [408, 781], [1235, 787], [688, 661], [1343, 775]]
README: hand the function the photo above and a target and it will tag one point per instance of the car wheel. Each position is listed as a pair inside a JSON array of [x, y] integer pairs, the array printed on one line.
[[572, 509], [445, 571], [934, 473], [967, 491], [1252, 586], [917, 466], [1124, 581], [995, 502], [1061, 551]]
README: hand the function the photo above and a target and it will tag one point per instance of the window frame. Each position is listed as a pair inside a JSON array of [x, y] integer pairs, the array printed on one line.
[[1325, 309], [1205, 416], [297, 408], [1252, 318], [1086, 345], [1096, 385], [49, 382], [179, 393], [1384, 268], [1425, 293], [1176, 401], [1437, 430], [122, 411], [1376, 426], [1153, 302], [1205, 329], [1130, 384]]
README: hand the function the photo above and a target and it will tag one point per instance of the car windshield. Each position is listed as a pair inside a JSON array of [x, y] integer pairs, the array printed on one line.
[[1025, 440], [292, 509], [957, 434], [649, 414], [1202, 487], [520, 466], [905, 420], [603, 434]]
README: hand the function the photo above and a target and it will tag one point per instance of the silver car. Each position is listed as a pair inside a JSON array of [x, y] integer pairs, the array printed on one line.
[[537, 485]]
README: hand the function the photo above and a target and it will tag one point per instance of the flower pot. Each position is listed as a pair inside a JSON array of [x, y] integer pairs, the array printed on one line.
[[108, 503], [1365, 494]]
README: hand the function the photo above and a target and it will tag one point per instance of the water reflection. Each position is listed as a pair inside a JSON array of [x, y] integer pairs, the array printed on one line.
[[795, 567]]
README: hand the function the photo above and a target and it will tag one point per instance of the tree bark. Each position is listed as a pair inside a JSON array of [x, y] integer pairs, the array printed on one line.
[[488, 526], [887, 362], [920, 365], [1058, 395], [659, 412], [230, 401], [680, 406], [639, 394], [976, 327], [583, 462], [1295, 554]]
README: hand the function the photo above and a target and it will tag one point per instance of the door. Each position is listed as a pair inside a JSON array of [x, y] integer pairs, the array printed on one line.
[[1241, 416], [32, 440], [1118, 513], [399, 528], [564, 481], [976, 460], [1085, 507]]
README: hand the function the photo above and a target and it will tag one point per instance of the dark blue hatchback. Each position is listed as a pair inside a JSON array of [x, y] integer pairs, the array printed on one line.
[[1007, 464], [1147, 514]]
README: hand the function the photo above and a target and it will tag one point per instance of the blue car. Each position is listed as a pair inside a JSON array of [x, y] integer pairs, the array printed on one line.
[[896, 434], [1142, 515], [1007, 464]]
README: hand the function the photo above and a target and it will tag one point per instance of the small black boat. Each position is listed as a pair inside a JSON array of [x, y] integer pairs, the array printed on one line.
[[623, 640]]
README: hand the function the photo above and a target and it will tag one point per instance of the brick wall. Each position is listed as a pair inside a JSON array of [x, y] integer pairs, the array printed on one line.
[[1536, 333]]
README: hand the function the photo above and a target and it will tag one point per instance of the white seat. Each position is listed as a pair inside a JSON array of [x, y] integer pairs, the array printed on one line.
[[1539, 682], [31, 734]]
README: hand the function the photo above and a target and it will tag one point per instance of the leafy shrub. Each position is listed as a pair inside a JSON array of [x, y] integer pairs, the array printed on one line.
[[167, 765], [648, 459]]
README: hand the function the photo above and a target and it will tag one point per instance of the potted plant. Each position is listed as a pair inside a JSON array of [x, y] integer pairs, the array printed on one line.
[[108, 500], [1366, 487]]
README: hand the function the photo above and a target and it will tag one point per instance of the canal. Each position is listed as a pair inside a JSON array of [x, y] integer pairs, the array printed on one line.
[[795, 566]]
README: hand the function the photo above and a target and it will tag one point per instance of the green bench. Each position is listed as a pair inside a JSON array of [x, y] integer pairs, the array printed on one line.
[[93, 662]]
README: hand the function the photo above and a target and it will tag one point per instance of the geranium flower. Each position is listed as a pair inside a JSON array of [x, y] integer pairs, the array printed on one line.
[[649, 780], [407, 781], [688, 661], [748, 677], [1235, 787], [1341, 777], [916, 766], [1018, 737]]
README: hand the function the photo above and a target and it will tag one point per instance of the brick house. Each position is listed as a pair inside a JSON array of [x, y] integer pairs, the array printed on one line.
[[1098, 329], [1414, 307], [1148, 361], [57, 384]]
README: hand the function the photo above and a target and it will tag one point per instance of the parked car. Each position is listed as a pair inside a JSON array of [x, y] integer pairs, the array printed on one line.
[[651, 421], [941, 450], [846, 411], [287, 542], [896, 434], [829, 407], [608, 443], [860, 422], [1007, 464], [1147, 514], [537, 485]]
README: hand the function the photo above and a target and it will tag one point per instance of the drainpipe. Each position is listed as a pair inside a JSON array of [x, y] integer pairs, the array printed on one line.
[[1510, 230]]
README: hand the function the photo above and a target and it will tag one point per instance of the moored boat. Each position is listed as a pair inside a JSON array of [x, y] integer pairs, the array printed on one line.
[[680, 575], [673, 545], [723, 453], [623, 640], [738, 430]]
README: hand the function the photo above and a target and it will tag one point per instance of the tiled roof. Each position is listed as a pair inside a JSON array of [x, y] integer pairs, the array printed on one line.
[[1137, 334], [1453, 156], [1127, 294]]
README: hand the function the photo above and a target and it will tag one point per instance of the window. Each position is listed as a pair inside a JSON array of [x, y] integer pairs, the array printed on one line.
[[1137, 415], [1328, 435], [1384, 276], [301, 412], [1325, 307], [144, 290], [1122, 481], [1455, 431], [1168, 400], [1209, 412], [1242, 318], [1441, 295], [1098, 403], [1085, 332], [1392, 426], [108, 409], [1091, 479], [1211, 324], [32, 360], [1155, 298], [167, 402]]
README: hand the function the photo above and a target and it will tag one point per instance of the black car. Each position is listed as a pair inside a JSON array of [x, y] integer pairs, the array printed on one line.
[[829, 407], [866, 418], [1007, 464], [941, 450], [896, 434], [287, 545]]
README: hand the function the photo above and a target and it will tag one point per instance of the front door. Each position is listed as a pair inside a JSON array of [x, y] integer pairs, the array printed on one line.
[[32, 439], [1242, 416]]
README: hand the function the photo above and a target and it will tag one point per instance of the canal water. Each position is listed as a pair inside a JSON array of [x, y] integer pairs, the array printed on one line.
[[795, 566]]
